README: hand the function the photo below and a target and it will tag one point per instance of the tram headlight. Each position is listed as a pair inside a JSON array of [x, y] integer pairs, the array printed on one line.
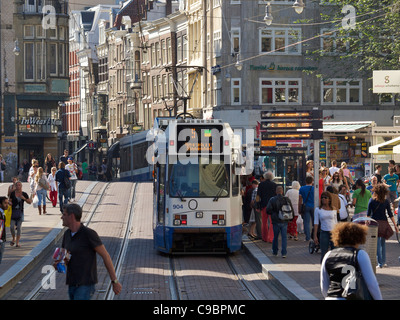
[[199, 214], [177, 222]]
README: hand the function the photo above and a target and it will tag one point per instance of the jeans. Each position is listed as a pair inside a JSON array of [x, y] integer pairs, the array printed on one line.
[[308, 217], [325, 242], [72, 189], [2, 246], [63, 193], [279, 228], [381, 251], [81, 292], [41, 194]]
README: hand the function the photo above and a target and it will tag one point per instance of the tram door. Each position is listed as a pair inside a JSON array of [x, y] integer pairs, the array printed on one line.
[[160, 206], [286, 168]]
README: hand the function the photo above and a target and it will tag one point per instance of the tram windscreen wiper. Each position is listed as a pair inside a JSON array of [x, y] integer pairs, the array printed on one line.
[[180, 195], [220, 191]]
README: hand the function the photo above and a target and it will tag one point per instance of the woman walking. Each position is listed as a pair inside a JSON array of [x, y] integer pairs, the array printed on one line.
[[53, 186], [293, 195], [378, 206], [325, 216], [361, 198], [49, 163], [17, 198], [41, 187]]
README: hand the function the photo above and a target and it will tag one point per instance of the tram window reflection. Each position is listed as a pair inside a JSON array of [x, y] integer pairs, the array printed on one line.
[[205, 177]]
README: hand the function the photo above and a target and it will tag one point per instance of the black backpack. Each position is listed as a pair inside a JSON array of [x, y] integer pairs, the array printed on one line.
[[285, 211]]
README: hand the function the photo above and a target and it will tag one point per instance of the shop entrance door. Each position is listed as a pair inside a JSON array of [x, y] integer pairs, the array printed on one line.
[[30, 151], [286, 168]]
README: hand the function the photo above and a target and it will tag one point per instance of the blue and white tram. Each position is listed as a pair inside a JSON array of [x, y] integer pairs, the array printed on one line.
[[197, 203], [134, 165]]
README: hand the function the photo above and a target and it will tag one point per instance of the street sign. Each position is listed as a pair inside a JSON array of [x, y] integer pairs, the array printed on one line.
[[278, 125], [303, 135]]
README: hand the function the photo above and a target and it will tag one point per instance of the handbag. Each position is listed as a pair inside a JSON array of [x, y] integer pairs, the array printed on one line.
[[384, 229], [355, 287]]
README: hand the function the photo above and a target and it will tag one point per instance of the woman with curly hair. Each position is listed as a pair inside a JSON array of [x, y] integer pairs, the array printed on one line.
[[378, 206], [347, 237]]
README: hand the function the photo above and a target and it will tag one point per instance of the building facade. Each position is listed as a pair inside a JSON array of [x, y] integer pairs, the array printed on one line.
[[41, 77]]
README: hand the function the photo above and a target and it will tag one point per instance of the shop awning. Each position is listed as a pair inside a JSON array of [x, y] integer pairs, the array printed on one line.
[[80, 149], [344, 126], [388, 147]]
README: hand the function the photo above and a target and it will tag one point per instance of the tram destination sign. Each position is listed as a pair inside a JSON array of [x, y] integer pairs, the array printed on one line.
[[199, 139]]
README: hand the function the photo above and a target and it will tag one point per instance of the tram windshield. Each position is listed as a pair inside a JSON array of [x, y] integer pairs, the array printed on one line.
[[206, 178]]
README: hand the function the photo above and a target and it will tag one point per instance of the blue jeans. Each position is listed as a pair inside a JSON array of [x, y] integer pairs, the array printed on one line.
[[2, 246], [41, 194], [308, 218], [325, 242], [72, 189], [63, 193], [81, 292], [279, 228], [381, 251]]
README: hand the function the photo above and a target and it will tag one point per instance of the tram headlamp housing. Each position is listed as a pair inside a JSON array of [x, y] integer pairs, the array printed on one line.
[[199, 214]]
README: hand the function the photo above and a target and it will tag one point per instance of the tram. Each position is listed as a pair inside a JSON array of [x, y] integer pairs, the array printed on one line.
[[133, 163], [197, 202]]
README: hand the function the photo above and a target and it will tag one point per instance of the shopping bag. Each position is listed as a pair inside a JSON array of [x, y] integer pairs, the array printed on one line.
[[35, 201]]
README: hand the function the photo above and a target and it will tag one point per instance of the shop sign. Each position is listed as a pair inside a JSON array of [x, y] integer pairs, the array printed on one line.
[[386, 81], [39, 121], [273, 67]]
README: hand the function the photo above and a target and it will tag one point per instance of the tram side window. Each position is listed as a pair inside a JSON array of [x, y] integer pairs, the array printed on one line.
[[235, 183], [139, 156]]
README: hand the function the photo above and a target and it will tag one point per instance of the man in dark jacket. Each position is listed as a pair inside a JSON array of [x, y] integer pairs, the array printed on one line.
[[63, 190], [266, 190], [279, 226]]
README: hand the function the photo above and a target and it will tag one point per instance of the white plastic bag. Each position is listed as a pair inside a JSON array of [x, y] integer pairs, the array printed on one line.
[[35, 201]]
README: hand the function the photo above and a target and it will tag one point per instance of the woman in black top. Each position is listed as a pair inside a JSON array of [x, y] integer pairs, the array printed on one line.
[[377, 207], [17, 197]]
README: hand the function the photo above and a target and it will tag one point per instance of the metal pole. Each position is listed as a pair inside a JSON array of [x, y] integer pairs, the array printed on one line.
[[316, 174]]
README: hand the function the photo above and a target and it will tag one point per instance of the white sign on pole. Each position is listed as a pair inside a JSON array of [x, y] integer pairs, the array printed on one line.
[[386, 81]]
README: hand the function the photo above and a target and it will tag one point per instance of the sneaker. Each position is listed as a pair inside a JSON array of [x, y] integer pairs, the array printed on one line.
[[385, 265], [284, 256]]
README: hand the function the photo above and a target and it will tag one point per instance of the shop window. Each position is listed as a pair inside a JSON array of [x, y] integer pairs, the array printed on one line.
[[341, 91], [280, 91], [280, 40]]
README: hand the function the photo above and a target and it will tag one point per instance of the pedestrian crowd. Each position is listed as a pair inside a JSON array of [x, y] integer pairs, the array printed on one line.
[[57, 183], [325, 224]]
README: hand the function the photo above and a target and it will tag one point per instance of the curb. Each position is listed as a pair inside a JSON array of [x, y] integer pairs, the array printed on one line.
[[29, 261], [274, 273]]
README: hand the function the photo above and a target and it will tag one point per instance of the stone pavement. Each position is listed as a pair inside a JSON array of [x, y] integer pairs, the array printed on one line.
[[299, 271]]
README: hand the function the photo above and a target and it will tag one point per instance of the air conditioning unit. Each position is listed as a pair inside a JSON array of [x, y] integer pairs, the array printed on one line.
[[396, 121]]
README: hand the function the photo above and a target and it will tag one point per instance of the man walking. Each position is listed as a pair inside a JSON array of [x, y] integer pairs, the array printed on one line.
[[266, 190], [279, 226], [82, 244]]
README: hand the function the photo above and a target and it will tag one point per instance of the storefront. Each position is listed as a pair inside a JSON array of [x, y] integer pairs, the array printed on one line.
[[38, 125], [349, 142]]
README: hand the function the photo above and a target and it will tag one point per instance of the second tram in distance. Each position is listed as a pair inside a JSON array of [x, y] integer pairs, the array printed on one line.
[[197, 202]]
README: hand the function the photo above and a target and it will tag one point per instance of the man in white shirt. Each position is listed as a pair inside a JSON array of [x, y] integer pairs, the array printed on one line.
[[334, 168]]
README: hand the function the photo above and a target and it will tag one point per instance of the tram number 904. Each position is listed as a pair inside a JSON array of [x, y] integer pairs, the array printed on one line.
[[177, 206]]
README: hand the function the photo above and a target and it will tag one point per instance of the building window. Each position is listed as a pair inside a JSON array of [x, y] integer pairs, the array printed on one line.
[[235, 38], [179, 49], [341, 91], [53, 59], [29, 60], [169, 50], [386, 99], [164, 51], [280, 91], [40, 61], [217, 43], [331, 43], [29, 32], [236, 87], [280, 40], [184, 47]]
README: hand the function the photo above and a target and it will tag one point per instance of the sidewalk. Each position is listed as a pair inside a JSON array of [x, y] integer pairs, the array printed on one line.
[[38, 233], [299, 271]]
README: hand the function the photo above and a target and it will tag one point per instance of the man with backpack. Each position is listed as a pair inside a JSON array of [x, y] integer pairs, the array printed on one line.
[[281, 210]]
